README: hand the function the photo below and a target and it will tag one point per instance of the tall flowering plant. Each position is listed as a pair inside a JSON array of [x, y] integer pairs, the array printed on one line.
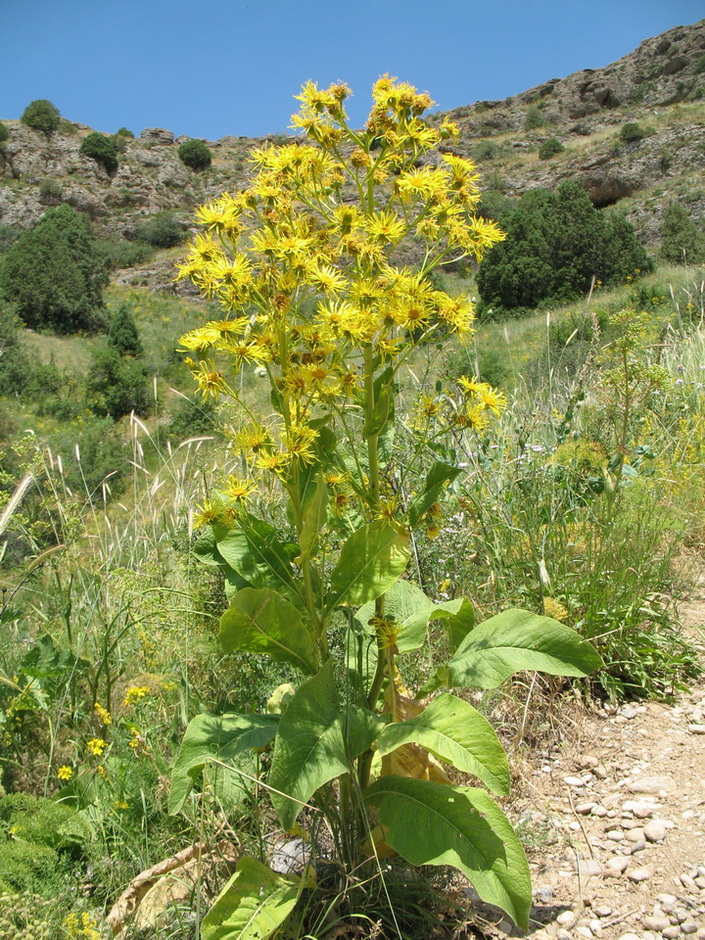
[[322, 269]]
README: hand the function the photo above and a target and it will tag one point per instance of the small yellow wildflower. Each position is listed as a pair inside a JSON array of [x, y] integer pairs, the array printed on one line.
[[96, 746], [103, 714], [238, 489], [134, 694], [65, 772], [121, 804]]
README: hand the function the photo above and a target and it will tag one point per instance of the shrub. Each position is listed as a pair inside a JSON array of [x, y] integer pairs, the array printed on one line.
[[195, 154], [41, 115], [549, 148], [4, 132], [632, 132], [101, 149], [556, 243], [163, 231], [14, 364], [54, 274], [124, 132], [123, 335], [50, 192], [534, 118], [681, 240], [121, 253], [117, 386], [700, 64]]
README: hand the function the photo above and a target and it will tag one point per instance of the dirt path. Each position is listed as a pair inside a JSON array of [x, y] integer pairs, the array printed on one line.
[[621, 813]]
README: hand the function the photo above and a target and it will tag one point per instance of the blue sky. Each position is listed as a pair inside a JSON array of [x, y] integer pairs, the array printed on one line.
[[208, 68]]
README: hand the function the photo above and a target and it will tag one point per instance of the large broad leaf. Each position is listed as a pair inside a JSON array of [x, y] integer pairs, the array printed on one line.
[[407, 604], [316, 741], [370, 562], [436, 824], [222, 737], [512, 641], [459, 618], [262, 621], [439, 476], [254, 551], [253, 904], [455, 732]]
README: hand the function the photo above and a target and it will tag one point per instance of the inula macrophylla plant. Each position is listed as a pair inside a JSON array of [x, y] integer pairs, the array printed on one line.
[[306, 264]]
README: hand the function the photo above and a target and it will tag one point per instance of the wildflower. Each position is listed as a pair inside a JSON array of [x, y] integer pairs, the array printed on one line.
[[121, 804], [137, 742], [134, 694], [253, 438], [103, 714], [238, 489], [96, 746], [209, 511], [64, 772]]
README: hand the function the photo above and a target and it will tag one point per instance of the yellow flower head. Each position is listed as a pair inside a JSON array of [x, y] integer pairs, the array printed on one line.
[[135, 693], [96, 746], [65, 772], [103, 714]]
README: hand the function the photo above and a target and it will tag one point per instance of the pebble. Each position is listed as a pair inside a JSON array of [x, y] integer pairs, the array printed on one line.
[[585, 808], [696, 729], [614, 835], [564, 935], [670, 933], [617, 865], [602, 910], [595, 926], [635, 835], [598, 811], [630, 936], [544, 895], [589, 867], [655, 831], [574, 781], [639, 874], [584, 932], [587, 762], [652, 785], [566, 918], [600, 772], [689, 926], [629, 712], [656, 922]]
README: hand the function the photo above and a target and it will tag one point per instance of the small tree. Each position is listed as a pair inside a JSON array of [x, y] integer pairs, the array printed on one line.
[[123, 335], [41, 115], [535, 118], [14, 364], [195, 155], [54, 274], [117, 386], [682, 241], [101, 149], [556, 243]]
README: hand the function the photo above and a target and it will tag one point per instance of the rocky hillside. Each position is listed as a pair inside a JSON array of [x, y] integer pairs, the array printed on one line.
[[657, 91]]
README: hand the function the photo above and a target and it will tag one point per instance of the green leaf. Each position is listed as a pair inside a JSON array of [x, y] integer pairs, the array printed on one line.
[[455, 732], [407, 604], [254, 551], [378, 420], [262, 621], [370, 562], [437, 479], [316, 741], [205, 548], [252, 905], [436, 824], [459, 617], [512, 641], [315, 512], [222, 737]]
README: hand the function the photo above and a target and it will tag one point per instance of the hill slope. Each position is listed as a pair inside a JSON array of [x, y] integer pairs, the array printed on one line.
[[660, 87]]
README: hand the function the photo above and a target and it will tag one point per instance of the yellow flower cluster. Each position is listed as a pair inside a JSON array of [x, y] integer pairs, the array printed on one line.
[[96, 746], [81, 926], [134, 694], [103, 714], [306, 265]]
